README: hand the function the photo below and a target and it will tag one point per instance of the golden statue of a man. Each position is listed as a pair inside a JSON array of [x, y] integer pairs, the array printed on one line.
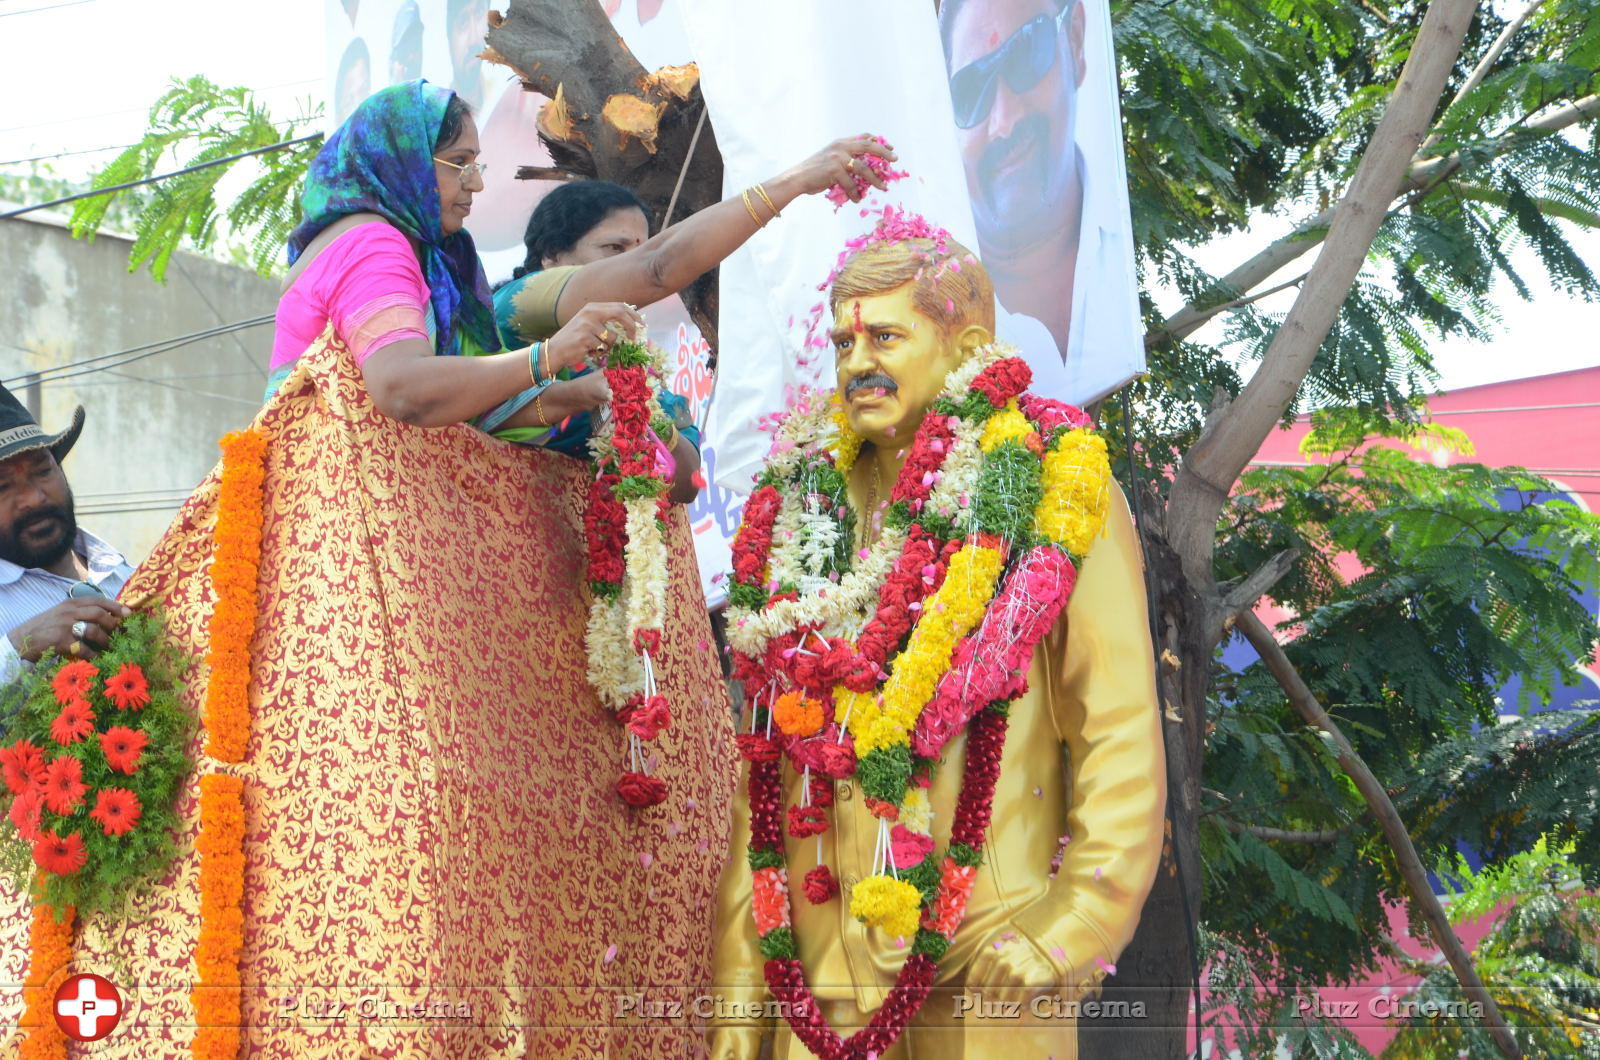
[[1073, 841]]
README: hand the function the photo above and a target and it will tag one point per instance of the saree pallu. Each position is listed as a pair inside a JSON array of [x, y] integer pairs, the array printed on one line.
[[437, 862]]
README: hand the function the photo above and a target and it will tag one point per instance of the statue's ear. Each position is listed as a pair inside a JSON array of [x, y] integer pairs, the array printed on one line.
[[972, 338]]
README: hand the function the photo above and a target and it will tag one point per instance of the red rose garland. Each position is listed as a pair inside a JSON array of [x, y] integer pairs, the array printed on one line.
[[626, 556]]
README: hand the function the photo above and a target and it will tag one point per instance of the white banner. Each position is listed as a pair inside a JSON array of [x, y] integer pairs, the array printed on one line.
[[1005, 114], [1003, 111]]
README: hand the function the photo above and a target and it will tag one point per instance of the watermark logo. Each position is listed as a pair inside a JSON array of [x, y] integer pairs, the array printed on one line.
[[88, 1007]]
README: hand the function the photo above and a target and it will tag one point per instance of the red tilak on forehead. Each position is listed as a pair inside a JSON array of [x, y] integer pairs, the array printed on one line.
[[859, 327]]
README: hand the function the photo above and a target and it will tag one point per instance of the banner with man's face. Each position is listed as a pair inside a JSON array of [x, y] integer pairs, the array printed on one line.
[[1033, 99]]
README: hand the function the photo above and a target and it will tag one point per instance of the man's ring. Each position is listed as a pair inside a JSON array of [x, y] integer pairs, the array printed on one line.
[[79, 628], [75, 648]]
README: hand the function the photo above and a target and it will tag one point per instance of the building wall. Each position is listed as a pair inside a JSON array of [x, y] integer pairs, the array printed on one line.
[[152, 423]]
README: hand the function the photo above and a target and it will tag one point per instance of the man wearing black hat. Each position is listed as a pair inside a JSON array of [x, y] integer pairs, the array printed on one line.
[[56, 581]]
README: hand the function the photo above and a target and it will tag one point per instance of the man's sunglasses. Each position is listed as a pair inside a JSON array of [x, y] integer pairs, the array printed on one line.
[[1025, 57]]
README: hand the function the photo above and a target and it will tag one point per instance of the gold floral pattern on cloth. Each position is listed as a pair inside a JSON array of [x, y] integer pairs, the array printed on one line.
[[438, 864]]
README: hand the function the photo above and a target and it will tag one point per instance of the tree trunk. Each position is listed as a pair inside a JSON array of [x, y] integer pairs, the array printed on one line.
[[1156, 971], [610, 118]]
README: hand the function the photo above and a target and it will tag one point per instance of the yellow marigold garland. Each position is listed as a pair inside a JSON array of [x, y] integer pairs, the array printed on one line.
[[233, 579], [1007, 425], [234, 569], [949, 614], [49, 954], [1077, 494], [216, 954]]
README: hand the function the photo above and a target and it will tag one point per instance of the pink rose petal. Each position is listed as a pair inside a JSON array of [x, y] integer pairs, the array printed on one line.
[[610, 954], [647, 859]]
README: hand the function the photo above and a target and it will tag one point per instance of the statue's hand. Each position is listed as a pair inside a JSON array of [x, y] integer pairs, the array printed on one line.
[[736, 1043], [1010, 967], [837, 164]]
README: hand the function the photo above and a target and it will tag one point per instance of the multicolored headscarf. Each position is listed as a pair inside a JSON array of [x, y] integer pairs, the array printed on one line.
[[381, 161]]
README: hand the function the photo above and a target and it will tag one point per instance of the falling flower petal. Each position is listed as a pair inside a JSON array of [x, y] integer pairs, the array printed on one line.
[[610, 954]]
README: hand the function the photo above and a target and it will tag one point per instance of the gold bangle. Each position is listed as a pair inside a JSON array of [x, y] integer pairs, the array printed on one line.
[[538, 410], [762, 191], [753, 215], [544, 359]]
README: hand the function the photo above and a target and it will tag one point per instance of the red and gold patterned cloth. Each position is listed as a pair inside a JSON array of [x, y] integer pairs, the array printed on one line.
[[438, 864]]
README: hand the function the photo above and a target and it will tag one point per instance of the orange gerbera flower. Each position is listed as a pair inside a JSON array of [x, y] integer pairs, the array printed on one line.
[[60, 855], [20, 763], [63, 785], [127, 688], [74, 722], [117, 810], [123, 747], [74, 680]]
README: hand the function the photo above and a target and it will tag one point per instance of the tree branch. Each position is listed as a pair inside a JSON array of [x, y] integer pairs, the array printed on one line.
[[1485, 64], [1214, 462], [1388, 818], [1322, 835], [1160, 335], [1310, 233], [1253, 586]]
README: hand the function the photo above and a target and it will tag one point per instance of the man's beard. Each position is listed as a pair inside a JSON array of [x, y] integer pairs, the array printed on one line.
[[48, 554]]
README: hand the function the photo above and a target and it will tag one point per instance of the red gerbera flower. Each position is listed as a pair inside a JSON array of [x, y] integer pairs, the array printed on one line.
[[62, 856], [25, 810], [63, 785], [123, 747], [117, 810], [21, 763], [74, 722], [74, 680], [127, 688]]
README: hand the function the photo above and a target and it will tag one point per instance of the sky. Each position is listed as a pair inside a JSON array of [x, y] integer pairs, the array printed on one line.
[[89, 70]]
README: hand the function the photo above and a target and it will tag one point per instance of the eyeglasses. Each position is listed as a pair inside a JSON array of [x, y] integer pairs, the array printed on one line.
[[466, 172], [1025, 57]]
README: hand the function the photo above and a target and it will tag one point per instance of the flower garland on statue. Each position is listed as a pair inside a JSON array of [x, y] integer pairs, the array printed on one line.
[[925, 633], [624, 527]]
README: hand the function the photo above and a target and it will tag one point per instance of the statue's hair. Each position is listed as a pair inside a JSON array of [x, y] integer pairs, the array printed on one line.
[[950, 287]]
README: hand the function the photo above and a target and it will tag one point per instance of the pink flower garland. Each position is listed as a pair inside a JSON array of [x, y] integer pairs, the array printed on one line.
[[992, 663]]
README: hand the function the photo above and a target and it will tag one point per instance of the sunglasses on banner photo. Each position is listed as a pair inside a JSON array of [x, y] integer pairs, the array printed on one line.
[[1025, 57]]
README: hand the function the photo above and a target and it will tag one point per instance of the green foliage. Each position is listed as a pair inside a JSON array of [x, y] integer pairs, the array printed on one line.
[[1252, 1012], [115, 863], [197, 121], [1540, 960], [39, 183], [1239, 113], [1417, 596]]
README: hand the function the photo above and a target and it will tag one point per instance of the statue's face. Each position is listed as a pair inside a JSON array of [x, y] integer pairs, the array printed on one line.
[[891, 362]]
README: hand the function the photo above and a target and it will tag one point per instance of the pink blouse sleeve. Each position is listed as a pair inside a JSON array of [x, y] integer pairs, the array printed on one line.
[[374, 292]]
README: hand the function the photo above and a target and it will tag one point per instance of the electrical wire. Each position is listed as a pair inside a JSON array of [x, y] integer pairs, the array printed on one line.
[[66, 154], [159, 176], [108, 361], [48, 7]]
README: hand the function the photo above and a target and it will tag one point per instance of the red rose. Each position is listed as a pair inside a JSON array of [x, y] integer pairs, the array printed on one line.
[[807, 821], [637, 789], [754, 747], [820, 885], [835, 759], [647, 721]]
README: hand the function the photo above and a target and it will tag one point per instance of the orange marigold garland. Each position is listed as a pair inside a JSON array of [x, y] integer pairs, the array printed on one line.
[[216, 954], [233, 579], [50, 952], [234, 568]]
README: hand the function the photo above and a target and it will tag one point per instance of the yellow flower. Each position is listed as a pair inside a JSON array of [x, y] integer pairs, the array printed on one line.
[[887, 903], [1077, 491], [916, 813], [844, 456], [947, 616], [1009, 424]]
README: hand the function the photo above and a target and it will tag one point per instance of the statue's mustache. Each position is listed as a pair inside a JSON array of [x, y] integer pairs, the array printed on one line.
[[876, 379]]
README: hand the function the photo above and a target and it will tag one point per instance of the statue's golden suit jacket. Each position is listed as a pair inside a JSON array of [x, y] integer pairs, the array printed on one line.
[[1092, 693]]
